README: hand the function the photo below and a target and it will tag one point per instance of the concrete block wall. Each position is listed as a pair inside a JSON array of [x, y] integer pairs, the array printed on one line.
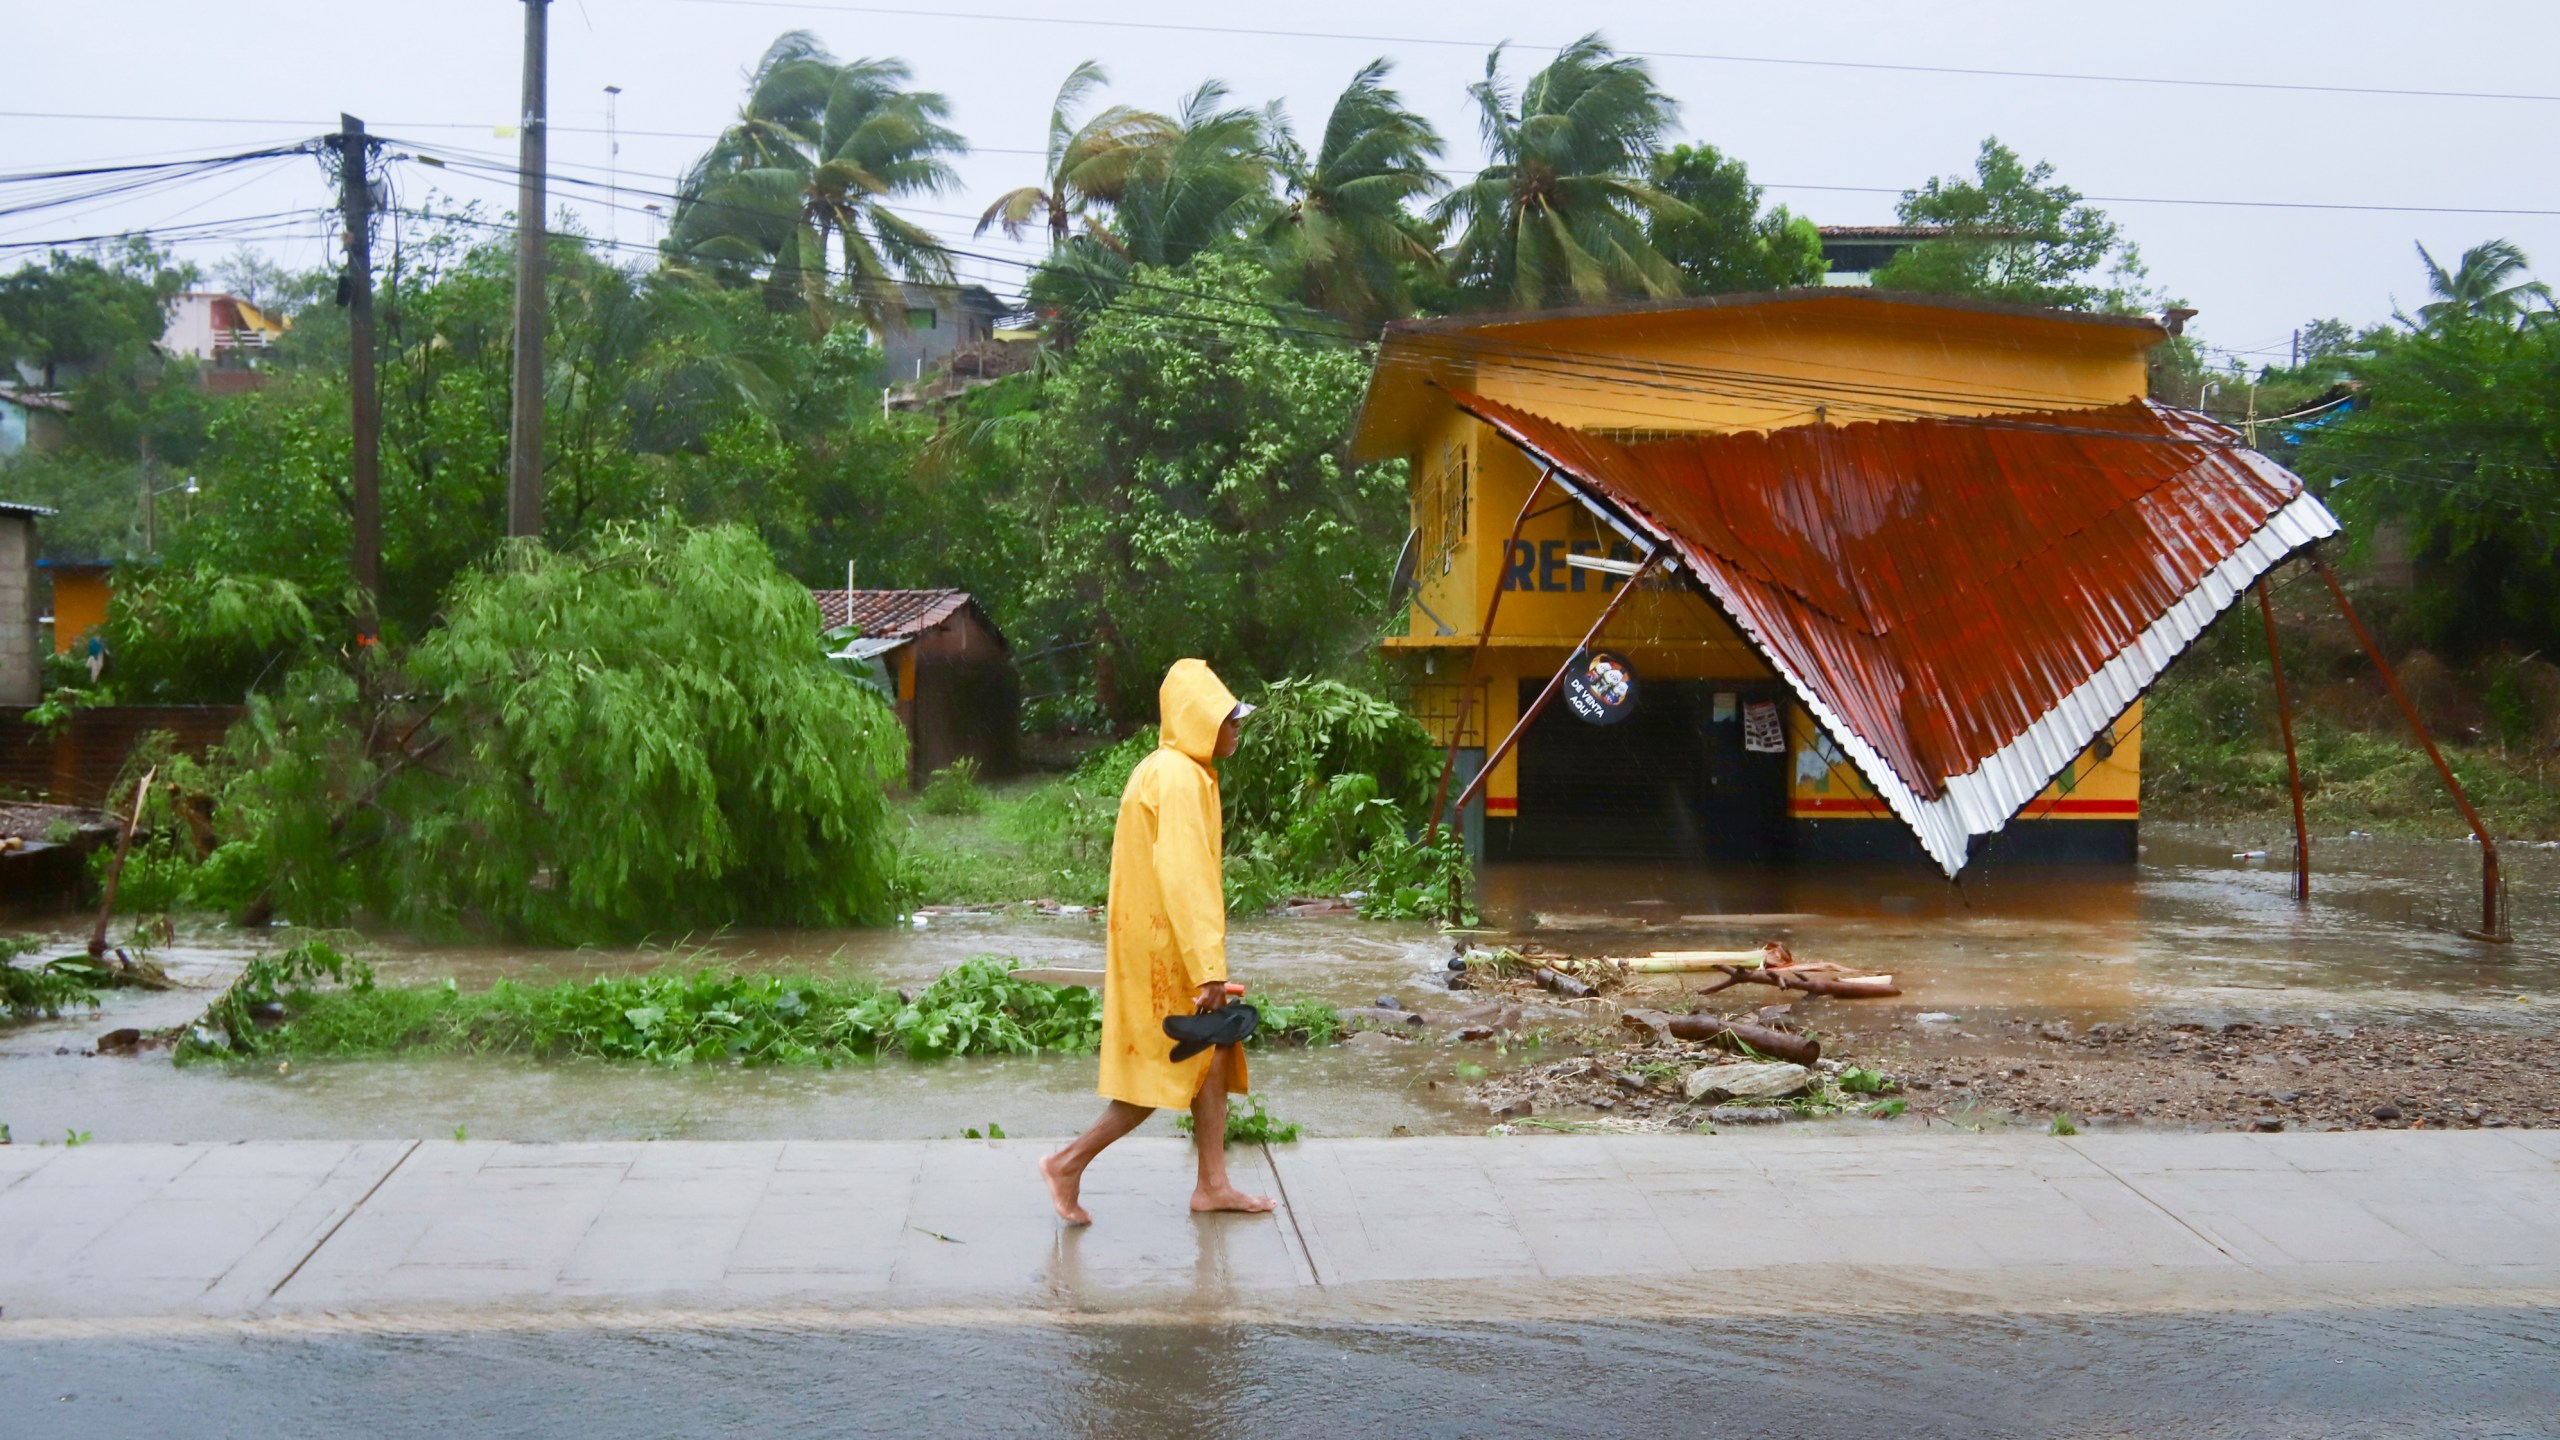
[[21, 681]]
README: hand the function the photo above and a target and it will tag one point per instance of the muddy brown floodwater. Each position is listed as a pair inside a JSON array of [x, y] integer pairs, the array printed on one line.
[[2190, 937]]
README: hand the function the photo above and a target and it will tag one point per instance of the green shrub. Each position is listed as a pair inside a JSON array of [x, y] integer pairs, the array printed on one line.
[[29, 992], [953, 790], [278, 1007]]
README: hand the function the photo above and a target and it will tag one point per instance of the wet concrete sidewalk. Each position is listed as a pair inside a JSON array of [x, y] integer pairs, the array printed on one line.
[[1446, 1226]]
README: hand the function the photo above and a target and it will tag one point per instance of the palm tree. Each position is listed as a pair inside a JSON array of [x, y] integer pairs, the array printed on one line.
[[1086, 164], [2486, 285], [818, 150], [1347, 243], [1559, 214], [1205, 181], [1208, 179]]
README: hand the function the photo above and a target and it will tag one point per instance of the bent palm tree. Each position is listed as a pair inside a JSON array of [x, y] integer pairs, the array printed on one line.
[[1347, 243], [1559, 213], [1206, 181], [2485, 285], [818, 150], [1086, 164]]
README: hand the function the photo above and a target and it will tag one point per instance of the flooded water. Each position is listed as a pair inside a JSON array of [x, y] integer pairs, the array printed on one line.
[[2450, 1371], [2191, 933]]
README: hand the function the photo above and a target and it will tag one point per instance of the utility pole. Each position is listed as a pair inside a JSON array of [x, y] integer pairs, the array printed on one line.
[[612, 167], [364, 464], [524, 449]]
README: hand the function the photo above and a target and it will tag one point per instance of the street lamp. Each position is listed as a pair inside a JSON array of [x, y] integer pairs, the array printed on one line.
[[151, 510]]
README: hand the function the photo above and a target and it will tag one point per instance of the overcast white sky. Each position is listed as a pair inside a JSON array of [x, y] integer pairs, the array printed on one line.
[[446, 73]]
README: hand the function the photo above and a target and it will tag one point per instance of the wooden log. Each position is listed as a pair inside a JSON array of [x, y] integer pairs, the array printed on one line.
[[1845, 987], [1674, 962], [115, 869], [1728, 1034], [1550, 978]]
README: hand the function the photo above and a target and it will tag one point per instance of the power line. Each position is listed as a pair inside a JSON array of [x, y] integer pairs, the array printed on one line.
[[1720, 58]]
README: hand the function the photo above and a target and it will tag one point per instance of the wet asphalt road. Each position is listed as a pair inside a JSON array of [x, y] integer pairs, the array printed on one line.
[[2440, 1371]]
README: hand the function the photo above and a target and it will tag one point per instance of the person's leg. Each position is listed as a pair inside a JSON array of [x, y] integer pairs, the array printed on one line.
[[1065, 1170], [1209, 1136]]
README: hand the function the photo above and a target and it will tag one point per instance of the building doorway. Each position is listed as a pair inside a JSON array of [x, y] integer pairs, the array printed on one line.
[[1675, 780]]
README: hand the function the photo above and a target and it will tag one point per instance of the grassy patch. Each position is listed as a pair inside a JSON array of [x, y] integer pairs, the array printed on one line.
[[280, 1008]]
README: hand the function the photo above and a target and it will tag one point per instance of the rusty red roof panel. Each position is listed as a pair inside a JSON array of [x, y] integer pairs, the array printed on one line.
[[887, 614], [1964, 603]]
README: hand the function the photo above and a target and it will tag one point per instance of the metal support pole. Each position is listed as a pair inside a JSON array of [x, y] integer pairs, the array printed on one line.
[[1556, 683], [364, 397], [1475, 662], [2492, 925], [2292, 766], [524, 446]]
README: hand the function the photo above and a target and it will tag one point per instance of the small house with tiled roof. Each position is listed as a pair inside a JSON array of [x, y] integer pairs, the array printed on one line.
[[957, 694]]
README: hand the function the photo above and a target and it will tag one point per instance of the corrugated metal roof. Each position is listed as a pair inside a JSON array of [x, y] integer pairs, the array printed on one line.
[[1963, 603]]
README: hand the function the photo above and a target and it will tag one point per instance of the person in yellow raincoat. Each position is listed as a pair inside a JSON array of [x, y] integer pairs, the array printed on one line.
[[1167, 946]]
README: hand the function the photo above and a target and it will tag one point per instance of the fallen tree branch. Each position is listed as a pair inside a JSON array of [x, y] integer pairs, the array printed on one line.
[[115, 870], [1845, 987], [1729, 1034]]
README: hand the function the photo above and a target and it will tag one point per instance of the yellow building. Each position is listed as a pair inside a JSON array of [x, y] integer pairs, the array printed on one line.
[[1722, 754]]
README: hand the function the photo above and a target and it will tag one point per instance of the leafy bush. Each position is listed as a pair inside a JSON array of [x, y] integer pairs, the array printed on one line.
[[1307, 734], [953, 790], [29, 992], [702, 1017]]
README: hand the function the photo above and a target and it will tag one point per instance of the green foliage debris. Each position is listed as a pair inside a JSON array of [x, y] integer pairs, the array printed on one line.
[[312, 1001]]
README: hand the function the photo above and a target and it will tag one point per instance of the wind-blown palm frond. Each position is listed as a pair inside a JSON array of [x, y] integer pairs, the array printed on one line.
[[819, 150], [1559, 214], [1347, 241], [2485, 285], [1086, 164]]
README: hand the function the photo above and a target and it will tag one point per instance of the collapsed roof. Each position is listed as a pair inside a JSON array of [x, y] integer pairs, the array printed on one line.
[[1963, 603]]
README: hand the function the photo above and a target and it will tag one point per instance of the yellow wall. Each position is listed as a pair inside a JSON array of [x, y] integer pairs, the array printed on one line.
[[79, 606], [1746, 368]]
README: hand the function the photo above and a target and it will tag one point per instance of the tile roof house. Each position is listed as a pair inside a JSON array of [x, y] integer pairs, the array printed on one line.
[[957, 693]]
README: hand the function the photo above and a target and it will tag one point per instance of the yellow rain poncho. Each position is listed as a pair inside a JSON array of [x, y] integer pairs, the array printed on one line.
[[1168, 915]]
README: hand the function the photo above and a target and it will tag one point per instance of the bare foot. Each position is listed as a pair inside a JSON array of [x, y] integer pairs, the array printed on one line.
[[1228, 1197], [1063, 1188]]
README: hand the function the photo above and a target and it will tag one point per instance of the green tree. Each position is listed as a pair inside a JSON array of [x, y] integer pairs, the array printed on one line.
[[1558, 216], [2455, 435], [78, 311], [1347, 243], [2017, 234], [640, 736], [2489, 283], [1727, 242], [818, 152], [1088, 164], [1186, 477]]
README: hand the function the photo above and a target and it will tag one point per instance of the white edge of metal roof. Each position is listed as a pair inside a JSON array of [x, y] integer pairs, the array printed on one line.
[[869, 647], [1985, 799]]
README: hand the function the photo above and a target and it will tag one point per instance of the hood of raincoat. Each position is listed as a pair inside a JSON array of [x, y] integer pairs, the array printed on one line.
[[1192, 705]]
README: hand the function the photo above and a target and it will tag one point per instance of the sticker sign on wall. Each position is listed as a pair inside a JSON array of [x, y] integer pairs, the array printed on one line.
[[1601, 688], [1762, 734]]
